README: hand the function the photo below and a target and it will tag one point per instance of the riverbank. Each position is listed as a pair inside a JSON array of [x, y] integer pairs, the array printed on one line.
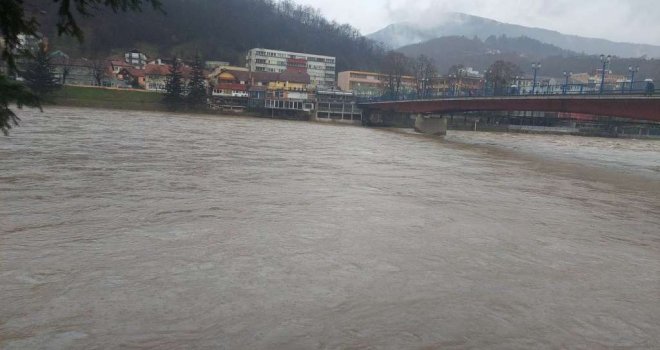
[[108, 98], [122, 99]]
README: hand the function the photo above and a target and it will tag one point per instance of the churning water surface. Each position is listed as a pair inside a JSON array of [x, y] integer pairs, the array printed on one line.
[[162, 231]]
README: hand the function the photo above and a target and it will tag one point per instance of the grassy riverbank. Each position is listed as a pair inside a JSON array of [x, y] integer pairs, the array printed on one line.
[[78, 96]]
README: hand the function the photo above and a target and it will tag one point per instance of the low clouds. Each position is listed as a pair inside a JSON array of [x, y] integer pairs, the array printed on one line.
[[617, 20]]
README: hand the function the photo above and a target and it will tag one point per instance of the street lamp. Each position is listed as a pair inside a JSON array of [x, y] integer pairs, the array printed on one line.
[[535, 66], [632, 71], [486, 76], [566, 75], [605, 61], [452, 78]]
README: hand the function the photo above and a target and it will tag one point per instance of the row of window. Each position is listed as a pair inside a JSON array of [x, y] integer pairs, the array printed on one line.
[[287, 55], [301, 65], [296, 105], [364, 76]]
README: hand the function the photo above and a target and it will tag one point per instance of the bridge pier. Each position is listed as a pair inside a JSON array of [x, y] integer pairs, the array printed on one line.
[[431, 124]]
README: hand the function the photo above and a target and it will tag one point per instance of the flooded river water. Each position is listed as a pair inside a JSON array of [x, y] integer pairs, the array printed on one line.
[[141, 230]]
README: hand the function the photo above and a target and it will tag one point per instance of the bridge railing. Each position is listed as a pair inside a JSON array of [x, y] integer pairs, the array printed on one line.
[[608, 89]]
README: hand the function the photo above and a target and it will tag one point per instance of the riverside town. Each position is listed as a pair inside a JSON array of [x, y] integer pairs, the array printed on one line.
[[304, 86]]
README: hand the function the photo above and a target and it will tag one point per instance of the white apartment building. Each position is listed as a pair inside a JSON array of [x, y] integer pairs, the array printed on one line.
[[321, 69], [135, 58]]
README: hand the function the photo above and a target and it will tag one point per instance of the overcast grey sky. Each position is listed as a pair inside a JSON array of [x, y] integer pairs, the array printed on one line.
[[618, 20]]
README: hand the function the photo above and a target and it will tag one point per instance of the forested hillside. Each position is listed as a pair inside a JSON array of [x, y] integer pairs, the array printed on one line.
[[219, 29], [453, 50]]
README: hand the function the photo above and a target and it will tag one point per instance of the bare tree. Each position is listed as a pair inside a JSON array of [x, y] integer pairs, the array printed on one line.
[[98, 71], [66, 70], [394, 68], [456, 69], [501, 74], [424, 72]]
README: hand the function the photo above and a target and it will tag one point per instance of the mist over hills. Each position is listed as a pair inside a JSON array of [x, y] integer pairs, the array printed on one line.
[[226, 29], [480, 54], [459, 24]]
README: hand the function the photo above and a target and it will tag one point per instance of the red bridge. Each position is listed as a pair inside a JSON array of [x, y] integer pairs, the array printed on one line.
[[631, 107]]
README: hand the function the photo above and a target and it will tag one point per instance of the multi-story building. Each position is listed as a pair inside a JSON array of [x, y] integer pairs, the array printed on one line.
[[135, 58], [337, 106], [321, 69]]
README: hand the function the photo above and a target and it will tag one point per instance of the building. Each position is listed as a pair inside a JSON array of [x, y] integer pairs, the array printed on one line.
[[290, 81], [337, 106], [257, 97], [362, 83], [131, 78], [135, 58], [155, 76], [321, 69], [289, 94], [370, 83]]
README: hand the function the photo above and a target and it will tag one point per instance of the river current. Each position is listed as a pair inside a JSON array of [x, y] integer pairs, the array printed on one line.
[[138, 230]]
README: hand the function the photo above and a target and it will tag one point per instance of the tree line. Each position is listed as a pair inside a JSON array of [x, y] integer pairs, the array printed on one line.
[[422, 69]]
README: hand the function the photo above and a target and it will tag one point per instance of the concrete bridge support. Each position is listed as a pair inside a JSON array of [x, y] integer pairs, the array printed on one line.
[[431, 125]]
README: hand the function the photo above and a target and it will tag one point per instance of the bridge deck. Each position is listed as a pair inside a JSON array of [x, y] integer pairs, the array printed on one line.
[[625, 106]]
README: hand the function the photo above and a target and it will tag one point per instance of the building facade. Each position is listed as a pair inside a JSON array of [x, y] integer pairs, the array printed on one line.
[[135, 58], [370, 83], [321, 69]]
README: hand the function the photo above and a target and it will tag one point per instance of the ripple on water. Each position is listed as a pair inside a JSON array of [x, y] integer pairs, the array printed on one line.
[[136, 229]]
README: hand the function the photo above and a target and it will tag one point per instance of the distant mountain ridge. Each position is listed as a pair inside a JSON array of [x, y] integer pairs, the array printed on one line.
[[459, 24], [450, 50], [473, 52]]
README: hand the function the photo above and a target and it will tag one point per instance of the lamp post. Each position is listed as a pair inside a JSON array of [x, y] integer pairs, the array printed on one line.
[[453, 84], [605, 61], [632, 71], [566, 75], [535, 66], [486, 76], [461, 72]]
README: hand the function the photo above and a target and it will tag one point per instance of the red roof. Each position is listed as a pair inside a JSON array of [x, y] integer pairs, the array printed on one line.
[[138, 73], [294, 77], [164, 69], [157, 69]]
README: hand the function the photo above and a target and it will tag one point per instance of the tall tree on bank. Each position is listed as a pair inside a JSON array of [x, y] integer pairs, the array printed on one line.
[[39, 74], [15, 20], [196, 88], [174, 92], [13, 92], [98, 71]]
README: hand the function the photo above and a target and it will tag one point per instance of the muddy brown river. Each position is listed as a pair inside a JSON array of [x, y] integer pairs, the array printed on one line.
[[136, 230]]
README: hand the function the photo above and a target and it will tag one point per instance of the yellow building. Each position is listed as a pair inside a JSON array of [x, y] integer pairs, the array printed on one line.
[[290, 81]]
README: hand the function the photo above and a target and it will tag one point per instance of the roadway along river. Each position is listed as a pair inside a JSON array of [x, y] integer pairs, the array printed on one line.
[[148, 231]]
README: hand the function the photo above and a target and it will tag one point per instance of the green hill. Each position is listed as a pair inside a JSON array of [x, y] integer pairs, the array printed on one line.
[[218, 29]]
